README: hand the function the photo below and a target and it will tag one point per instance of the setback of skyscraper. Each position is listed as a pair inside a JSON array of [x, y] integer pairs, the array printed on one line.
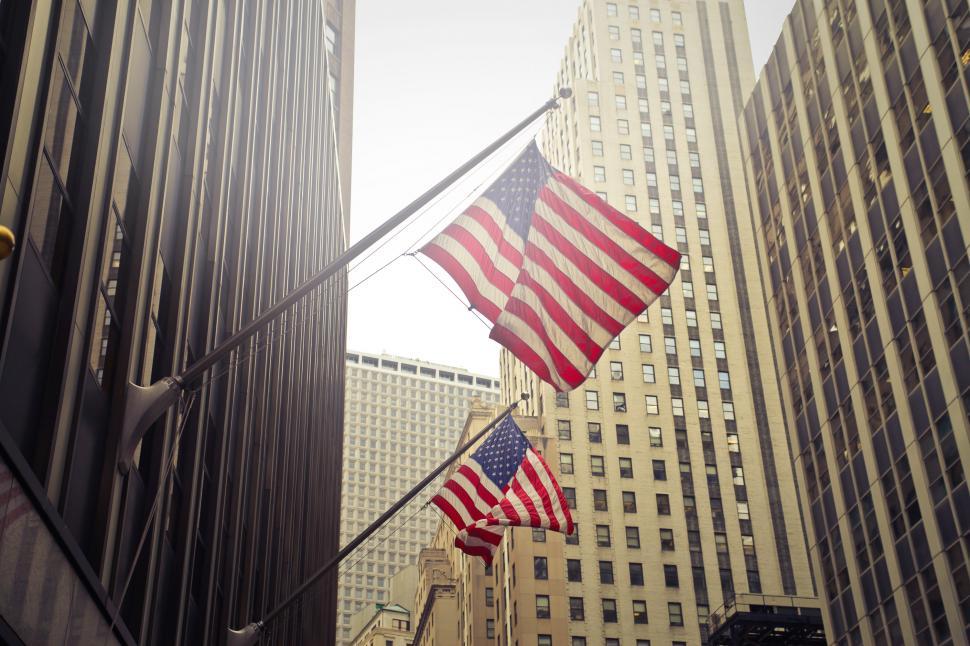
[[857, 149], [170, 170], [674, 454]]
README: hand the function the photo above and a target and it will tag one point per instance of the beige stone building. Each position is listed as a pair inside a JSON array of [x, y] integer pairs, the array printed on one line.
[[856, 143], [674, 453]]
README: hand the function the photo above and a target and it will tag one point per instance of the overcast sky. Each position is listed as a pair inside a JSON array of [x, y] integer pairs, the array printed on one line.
[[435, 82]]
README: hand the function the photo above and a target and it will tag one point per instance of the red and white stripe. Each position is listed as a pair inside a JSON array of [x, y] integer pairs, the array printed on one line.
[[480, 510], [557, 299]]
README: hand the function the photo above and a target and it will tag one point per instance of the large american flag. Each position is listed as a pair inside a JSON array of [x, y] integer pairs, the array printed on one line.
[[505, 482], [555, 269]]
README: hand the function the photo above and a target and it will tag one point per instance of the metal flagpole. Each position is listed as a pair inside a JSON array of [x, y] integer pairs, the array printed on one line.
[[145, 404], [250, 634]]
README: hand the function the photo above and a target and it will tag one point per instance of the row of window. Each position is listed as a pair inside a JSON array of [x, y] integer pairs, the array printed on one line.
[[652, 403], [612, 10], [577, 610]]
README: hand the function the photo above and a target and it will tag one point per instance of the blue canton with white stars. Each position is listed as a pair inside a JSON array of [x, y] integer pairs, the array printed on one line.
[[516, 191], [502, 453]]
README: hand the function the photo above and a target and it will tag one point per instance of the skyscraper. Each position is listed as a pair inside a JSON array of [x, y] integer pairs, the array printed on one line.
[[403, 418], [857, 149], [170, 171], [674, 453]]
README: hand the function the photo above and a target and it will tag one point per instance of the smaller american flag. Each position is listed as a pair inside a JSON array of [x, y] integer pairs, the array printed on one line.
[[505, 482]]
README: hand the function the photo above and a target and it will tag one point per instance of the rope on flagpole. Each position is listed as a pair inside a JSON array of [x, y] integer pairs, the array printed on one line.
[[469, 307]]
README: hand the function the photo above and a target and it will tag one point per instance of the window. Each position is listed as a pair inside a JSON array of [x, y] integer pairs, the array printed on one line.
[[599, 173], [658, 39], [677, 404], [688, 289], [699, 378], [712, 292], [678, 18], [622, 434], [597, 148], [667, 540], [564, 427], [574, 570], [691, 316], [680, 233], [663, 504], [489, 597], [670, 345], [544, 640], [595, 433], [569, 493], [542, 606], [565, 463], [538, 535], [728, 409], [648, 155], [592, 400], [645, 129], [576, 610], [691, 135], [645, 343], [715, 320], [633, 537], [629, 502], [606, 572], [626, 468], [738, 475], [695, 347], [593, 99], [639, 611], [676, 614], [636, 574], [653, 405], [594, 123], [679, 39], [652, 180], [649, 377], [573, 539], [614, 32], [490, 628], [619, 402], [623, 126], [670, 576], [616, 55], [701, 210], [616, 370], [562, 400], [618, 78], [628, 177], [615, 343], [577, 641], [675, 184], [620, 101], [703, 410], [656, 436], [636, 35], [596, 466], [611, 9], [630, 203], [705, 236], [626, 152], [719, 350], [609, 611], [659, 470], [634, 12], [599, 500], [673, 376], [603, 536], [540, 567]]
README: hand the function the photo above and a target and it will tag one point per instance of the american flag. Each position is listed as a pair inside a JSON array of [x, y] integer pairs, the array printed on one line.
[[555, 269], [504, 482]]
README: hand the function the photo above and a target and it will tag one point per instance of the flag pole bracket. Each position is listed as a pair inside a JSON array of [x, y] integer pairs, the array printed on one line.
[[143, 405]]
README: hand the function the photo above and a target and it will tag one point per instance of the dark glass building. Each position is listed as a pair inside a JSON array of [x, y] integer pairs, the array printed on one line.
[[171, 168], [857, 147]]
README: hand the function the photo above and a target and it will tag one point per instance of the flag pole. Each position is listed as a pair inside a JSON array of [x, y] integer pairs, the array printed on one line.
[[250, 634], [145, 404]]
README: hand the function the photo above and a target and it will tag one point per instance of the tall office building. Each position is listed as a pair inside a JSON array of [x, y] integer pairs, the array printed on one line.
[[674, 453], [857, 148], [403, 418], [170, 171]]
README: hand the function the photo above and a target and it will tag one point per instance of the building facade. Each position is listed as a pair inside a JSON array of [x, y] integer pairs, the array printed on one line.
[[170, 170], [674, 453], [857, 149], [403, 418]]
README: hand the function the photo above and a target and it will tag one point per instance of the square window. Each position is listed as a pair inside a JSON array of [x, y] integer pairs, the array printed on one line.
[[611, 9], [597, 148], [626, 152], [703, 411], [540, 567], [594, 123], [619, 402], [593, 99], [653, 405], [656, 436], [667, 540], [728, 410], [699, 378], [630, 203], [663, 504], [620, 101], [676, 614], [609, 611], [569, 493], [622, 434], [599, 500], [599, 173], [538, 535], [670, 576], [596, 465], [595, 432], [592, 400], [616, 370], [648, 373], [639, 612], [670, 344], [629, 502], [544, 640], [565, 429], [673, 376], [636, 574], [720, 350], [618, 78], [606, 572], [677, 404], [645, 343], [616, 55], [626, 468], [715, 320], [562, 400], [574, 570], [633, 537], [565, 463], [542, 606], [623, 126], [634, 12], [576, 610], [603, 536], [659, 470], [628, 177], [695, 347], [678, 18], [614, 32]]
